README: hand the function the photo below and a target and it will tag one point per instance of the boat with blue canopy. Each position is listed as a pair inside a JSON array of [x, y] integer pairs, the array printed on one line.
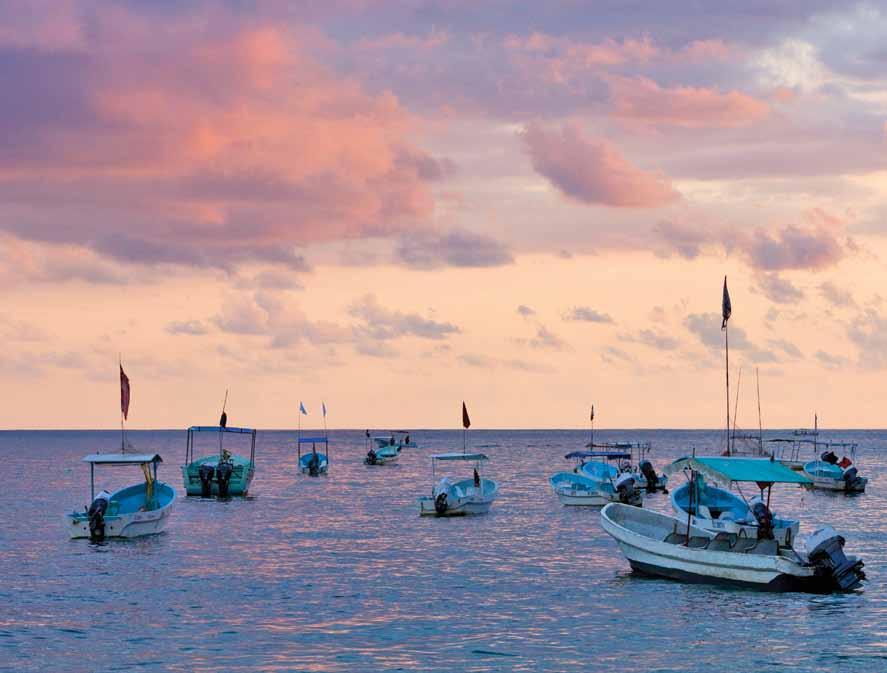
[[459, 497], [313, 462], [134, 511], [637, 463], [710, 504], [221, 473]]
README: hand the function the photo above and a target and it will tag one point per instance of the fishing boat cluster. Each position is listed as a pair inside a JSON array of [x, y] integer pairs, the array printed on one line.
[[716, 533]]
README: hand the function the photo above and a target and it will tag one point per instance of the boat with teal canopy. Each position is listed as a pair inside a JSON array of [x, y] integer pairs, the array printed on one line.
[[220, 473], [710, 504], [134, 511]]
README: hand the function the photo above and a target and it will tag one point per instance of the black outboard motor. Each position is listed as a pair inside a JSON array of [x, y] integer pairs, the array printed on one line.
[[224, 470], [627, 490], [371, 457], [646, 468], [206, 473], [829, 457], [313, 465], [764, 517], [96, 514], [825, 550], [852, 480], [440, 504]]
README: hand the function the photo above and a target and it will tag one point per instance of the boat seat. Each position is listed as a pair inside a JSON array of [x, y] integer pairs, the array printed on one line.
[[675, 538], [765, 548], [722, 542], [698, 542], [744, 544]]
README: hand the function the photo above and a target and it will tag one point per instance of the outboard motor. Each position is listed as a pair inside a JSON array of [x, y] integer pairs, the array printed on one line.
[[371, 457], [627, 490], [440, 504], [206, 473], [224, 470], [852, 480], [763, 516], [96, 514], [646, 468], [313, 465], [825, 550], [829, 457]]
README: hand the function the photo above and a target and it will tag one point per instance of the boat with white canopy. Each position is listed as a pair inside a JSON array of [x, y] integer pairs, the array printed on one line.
[[637, 463], [459, 496], [401, 438], [663, 546], [595, 481], [134, 511], [708, 502]]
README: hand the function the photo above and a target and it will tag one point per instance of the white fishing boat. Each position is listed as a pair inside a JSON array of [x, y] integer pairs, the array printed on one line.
[[715, 508], [134, 511], [830, 474], [382, 455], [313, 462], [593, 482], [663, 546], [637, 463], [399, 438], [457, 497]]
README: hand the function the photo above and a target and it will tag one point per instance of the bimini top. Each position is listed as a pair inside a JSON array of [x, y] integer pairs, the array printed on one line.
[[459, 456], [219, 428], [609, 455], [727, 470], [122, 458], [313, 440]]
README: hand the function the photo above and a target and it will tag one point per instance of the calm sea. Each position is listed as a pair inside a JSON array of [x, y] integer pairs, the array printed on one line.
[[341, 574]]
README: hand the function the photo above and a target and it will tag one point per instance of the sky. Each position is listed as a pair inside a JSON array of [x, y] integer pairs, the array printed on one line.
[[394, 206]]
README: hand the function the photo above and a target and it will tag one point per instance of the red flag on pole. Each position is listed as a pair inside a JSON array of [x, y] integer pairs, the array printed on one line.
[[466, 422], [124, 393]]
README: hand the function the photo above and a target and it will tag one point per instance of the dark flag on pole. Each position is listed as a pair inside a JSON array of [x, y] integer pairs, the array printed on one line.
[[726, 308], [124, 393], [466, 422], [592, 413]]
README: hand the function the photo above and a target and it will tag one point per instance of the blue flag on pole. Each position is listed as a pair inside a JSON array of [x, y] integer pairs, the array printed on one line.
[[302, 408]]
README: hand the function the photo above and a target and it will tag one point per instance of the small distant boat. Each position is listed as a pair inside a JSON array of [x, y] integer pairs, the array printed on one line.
[[314, 462], [382, 455], [594, 483], [134, 511], [399, 438], [830, 474], [717, 509], [219, 474], [459, 497], [663, 546], [637, 463]]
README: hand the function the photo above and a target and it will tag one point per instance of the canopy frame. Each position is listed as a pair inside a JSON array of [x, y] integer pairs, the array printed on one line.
[[219, 430]]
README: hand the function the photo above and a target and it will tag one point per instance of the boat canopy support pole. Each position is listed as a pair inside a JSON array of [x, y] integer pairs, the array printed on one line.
[[91, 482]]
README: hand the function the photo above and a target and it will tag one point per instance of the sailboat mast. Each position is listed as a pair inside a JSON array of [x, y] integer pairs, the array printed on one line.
[[760, 423]]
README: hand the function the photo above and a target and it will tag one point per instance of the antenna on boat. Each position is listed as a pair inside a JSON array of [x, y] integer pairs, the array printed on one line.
[[760, 423], [736, 412], [815, 433]]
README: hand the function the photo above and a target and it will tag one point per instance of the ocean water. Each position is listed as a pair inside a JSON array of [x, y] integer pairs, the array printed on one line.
[[339, 573]]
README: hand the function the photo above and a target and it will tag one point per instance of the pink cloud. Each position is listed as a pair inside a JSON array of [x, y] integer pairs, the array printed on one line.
[[204, 140], [592, 170], [639, 99]]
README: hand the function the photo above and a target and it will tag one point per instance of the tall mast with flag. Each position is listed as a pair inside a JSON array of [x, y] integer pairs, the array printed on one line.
[[726, 312], [302, 412], [124, 404], [466, 423], [591, 418]]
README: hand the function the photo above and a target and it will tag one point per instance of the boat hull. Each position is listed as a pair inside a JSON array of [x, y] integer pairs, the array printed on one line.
[[322, 468], [651, 556], [577, 490], [826, 484], [128, 524], [463, 499], [241, 476]]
